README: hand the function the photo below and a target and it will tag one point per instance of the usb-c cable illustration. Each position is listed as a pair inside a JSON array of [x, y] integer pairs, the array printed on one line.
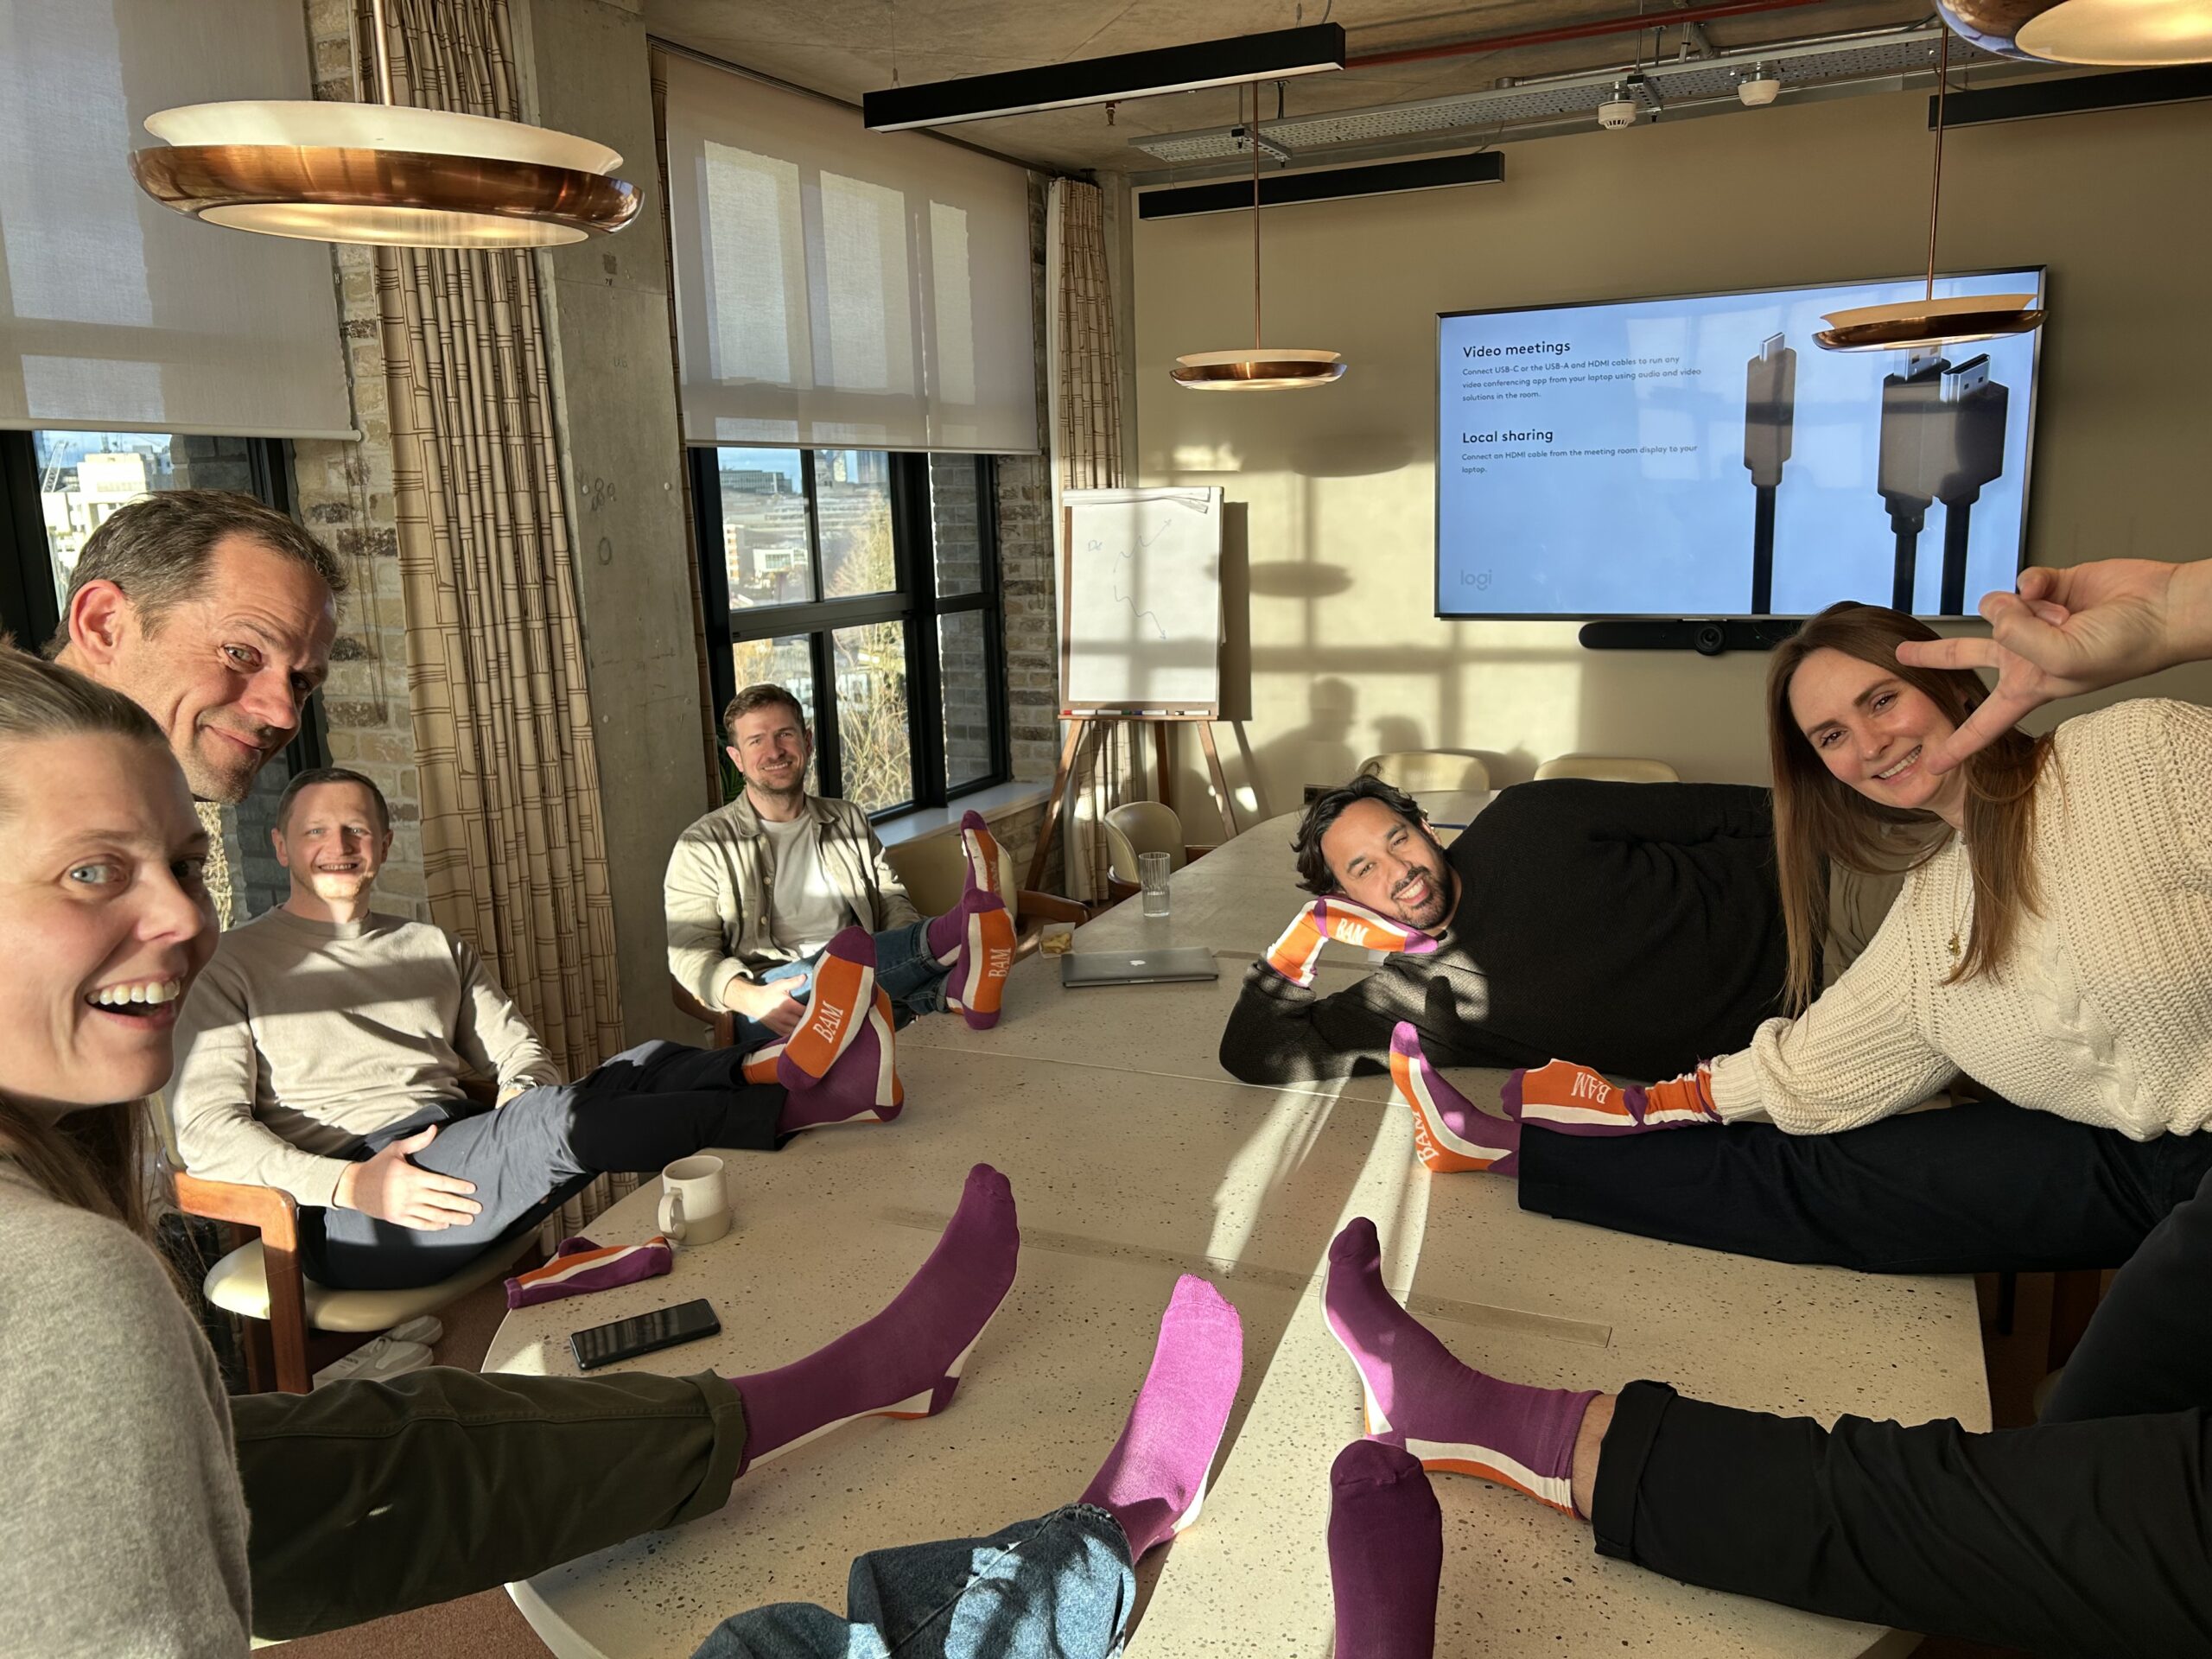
[[1942, 439], [1770, 416], [1975, 407]]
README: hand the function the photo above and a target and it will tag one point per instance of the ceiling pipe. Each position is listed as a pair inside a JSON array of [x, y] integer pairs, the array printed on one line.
[[1576, 32]]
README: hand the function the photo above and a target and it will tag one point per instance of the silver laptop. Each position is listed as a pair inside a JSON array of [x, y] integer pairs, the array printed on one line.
[[1165, 967]]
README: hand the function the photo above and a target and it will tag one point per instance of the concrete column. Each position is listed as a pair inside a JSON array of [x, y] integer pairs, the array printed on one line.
[[587, 70]]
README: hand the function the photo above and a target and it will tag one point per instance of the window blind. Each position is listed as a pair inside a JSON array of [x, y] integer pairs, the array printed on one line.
[[838, 288], [116, 313]]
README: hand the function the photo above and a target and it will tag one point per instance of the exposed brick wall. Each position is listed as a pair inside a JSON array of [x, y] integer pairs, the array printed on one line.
[[1029, 583], [1028, 579]]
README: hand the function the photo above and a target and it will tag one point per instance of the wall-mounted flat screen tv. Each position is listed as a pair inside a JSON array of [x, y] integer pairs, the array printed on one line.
[[1703, 457]]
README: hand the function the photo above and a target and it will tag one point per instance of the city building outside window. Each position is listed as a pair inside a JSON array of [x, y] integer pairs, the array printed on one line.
[[865, 581]]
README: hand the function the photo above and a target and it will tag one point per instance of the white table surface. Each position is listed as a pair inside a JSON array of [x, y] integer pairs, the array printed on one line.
[[1133, 1159]]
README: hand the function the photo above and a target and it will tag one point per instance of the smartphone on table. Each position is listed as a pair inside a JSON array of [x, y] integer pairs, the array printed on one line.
[[643, 1333]]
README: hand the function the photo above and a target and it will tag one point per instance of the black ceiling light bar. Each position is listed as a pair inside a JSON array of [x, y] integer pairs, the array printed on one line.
[[1275, 55], [1382, 179], [2025, 101]]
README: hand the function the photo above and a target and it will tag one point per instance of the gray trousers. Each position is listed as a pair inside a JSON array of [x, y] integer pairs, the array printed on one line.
[[644, 1107], [369, 1498]]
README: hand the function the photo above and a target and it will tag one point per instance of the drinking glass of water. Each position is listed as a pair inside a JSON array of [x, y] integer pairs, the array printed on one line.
[[1152, 877]]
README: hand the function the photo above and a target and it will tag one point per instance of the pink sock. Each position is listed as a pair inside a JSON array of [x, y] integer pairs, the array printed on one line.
[[1154, 1478], [1449, 1134], [1448, 1416], [862, 1084], [906, 1361], [1386, 1552]]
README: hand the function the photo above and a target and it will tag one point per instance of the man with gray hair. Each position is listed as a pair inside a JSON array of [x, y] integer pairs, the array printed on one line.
[[216, 616]]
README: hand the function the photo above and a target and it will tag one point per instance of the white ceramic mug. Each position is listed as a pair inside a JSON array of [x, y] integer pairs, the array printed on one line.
[[693, 1201]]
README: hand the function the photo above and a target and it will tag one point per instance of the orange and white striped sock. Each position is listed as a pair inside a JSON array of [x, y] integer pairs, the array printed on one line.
[[837, 1004], [975, 939], [862, 1087], [1449, 1134], [1576, 1100], [980, 849], [1294, 955]]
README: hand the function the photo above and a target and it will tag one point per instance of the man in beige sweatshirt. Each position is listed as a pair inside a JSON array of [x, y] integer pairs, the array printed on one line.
[[324, 1048]]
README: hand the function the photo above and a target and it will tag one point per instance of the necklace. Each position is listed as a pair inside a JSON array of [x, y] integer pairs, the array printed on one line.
[[1959, 926]]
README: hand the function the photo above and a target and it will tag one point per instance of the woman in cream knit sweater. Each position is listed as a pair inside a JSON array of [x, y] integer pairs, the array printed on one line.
[[2052, 944]]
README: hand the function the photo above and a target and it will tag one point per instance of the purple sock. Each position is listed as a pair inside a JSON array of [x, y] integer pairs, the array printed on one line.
[[1449, 1134], [1448, 1416], [1154, 1478], [861, 1087], [906, 1361], [1386, 1552], [579, 1267], [947, 933]]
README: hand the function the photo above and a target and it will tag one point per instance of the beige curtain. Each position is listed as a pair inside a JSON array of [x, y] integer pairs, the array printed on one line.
[[1084, 392], [513, 847]]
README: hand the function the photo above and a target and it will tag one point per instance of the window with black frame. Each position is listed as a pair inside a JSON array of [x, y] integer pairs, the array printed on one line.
[[866, 581]]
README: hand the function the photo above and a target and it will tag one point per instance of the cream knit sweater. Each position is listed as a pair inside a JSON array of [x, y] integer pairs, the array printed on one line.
[[2104, 1013]]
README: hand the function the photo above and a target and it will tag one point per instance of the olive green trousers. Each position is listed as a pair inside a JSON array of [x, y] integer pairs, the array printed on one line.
[[369, 1498]]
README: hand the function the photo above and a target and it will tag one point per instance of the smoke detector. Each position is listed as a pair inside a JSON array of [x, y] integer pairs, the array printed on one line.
[[1759, 88], [1619, 111]]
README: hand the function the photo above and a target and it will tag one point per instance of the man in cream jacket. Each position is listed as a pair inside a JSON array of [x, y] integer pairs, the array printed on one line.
[[756, 890]]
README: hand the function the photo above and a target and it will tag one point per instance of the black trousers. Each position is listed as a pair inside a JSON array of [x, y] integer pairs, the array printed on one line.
[[2089, 1534], [644, 1108]]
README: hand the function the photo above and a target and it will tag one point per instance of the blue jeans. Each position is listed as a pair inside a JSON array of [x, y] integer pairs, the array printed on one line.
[[908, 975], [1058, 1587]]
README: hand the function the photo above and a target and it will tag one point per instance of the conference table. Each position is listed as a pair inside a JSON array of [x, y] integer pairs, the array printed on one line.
[[1135, 1158]]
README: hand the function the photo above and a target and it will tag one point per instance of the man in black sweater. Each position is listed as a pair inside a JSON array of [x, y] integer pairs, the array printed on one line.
[[1637, 926]]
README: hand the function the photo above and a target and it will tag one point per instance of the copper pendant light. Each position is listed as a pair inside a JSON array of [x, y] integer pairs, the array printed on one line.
[[1261, 368], [382, 173], [2109, 32], [1928, 323]]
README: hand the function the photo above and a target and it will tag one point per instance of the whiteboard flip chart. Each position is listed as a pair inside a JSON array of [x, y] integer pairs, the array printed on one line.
[[1140, 600]]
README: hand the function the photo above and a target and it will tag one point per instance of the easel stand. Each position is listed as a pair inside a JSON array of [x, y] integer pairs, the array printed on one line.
[[1080, 721]]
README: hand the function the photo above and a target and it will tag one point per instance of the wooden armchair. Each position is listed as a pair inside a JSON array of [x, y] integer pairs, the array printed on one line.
[[721, 1023], [294, 1325], [933, 869]]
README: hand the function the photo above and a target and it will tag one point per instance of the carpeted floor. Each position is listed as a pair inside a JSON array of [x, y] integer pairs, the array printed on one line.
[[487, 1626]]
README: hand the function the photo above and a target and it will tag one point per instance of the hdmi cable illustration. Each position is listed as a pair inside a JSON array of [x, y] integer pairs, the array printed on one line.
[[1769, 416], [1942, 439]]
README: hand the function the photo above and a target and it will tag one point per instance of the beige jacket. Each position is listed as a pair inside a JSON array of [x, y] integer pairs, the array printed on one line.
[[722, 871]]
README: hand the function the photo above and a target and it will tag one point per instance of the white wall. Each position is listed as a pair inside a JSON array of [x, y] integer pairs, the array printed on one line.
[[1336, 642]]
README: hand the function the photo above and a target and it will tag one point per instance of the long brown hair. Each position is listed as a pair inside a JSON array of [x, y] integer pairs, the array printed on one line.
[[92, 1158], [1821, 822]]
